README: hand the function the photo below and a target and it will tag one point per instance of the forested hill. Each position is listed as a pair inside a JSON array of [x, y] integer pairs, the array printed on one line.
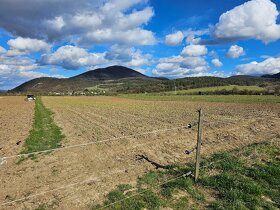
[[119, 79]]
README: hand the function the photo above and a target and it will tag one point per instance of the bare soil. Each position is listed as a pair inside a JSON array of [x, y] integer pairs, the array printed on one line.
[[16, 116], [226, 126]]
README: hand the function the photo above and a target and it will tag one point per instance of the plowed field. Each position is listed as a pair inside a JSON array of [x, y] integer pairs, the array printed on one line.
[[16, 117], [226, 126]]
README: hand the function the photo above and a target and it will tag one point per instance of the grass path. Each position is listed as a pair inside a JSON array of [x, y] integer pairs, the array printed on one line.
[[45, 134]]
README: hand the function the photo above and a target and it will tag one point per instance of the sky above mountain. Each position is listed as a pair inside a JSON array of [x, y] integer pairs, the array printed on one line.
[[166, 38]]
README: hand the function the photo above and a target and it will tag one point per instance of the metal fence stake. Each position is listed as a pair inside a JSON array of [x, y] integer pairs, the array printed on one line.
[[198, 146]]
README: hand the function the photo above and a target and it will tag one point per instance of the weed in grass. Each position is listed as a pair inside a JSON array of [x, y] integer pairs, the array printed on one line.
[[181, 204], [243, 187], [236, 184], [225, 162], [182, 184], [150, 179], [148, 199], [41, 207]]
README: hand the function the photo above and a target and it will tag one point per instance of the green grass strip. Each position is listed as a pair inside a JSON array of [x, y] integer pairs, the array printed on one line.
[[247, 178], [265, 99], [45, 134]]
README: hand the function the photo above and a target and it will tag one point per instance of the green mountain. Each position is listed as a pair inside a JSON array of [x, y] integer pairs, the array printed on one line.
[[85, 80], [273, 76], [119, 79]]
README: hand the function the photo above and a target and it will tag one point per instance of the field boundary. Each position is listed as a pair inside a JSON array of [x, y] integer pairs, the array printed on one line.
[[91, 143], [45, 134]]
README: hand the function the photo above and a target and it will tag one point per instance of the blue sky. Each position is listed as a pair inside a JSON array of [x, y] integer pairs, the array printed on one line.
[[174, 39]]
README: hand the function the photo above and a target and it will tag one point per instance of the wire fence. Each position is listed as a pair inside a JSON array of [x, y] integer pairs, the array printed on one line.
[[3, 159], [230, 141]]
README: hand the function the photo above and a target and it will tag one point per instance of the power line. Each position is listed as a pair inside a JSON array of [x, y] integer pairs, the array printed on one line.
[[167, 181], [91, 143]]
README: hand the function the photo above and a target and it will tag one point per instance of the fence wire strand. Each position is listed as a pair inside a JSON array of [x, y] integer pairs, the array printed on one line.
[[139, 193], [95, 179], [225, 143], [4, 159], [91, 143]]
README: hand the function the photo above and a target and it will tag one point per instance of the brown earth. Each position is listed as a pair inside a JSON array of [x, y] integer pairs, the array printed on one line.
[[91, 119], [16, 116]]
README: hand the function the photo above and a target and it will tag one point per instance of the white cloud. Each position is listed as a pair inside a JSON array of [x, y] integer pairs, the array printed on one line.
[[194, 50], [131, 57], [235, 51], [214, 54], [27, 45], [192, 35], [85, 22], [256, 19], [135, 36], [58, 23], [178, 66], [174, 39], [268, 66], [194, 62], [216, 62], [135, 19], [16, 70], [2, 50], [71, 57]]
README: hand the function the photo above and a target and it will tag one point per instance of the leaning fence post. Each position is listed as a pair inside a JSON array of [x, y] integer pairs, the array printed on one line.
[[198, 146]]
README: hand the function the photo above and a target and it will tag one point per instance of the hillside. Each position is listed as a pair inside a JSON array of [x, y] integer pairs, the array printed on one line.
[[119, 79], [273, 76], [82, 81], [110, 73]]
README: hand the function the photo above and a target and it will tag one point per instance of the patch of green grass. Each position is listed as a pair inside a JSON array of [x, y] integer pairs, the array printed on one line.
[[215, 89], [180, 204], [240, 186], [149, 199], [45, 134], [230, 177], [206, 98], [41, 207], [150, 179]]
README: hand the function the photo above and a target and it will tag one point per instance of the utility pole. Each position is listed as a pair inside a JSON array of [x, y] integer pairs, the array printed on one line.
[[198, 146], [175, 88]]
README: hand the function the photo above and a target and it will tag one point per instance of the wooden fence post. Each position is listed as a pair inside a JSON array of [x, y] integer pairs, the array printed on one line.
[[198, 146]]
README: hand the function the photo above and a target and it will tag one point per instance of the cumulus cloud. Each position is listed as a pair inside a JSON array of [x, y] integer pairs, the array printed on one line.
[[194, 50], [268, 66], [193, 35], [26, 45], [16, 70], [174, 39], [2, 50], [71, 57], [179, 66], [135, 36], [93, 22], [131, 57], [255, 19], [216, 62], [235, 51]]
